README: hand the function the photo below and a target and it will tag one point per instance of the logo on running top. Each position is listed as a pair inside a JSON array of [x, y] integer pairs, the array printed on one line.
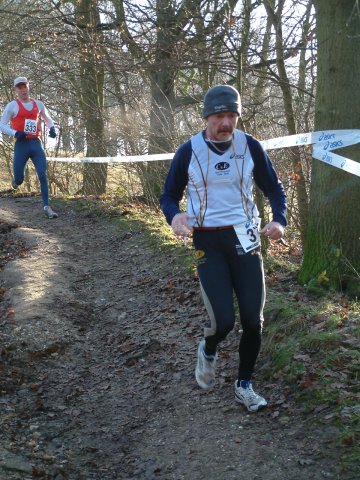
[[237, 156], [199, 254], [222, 166]]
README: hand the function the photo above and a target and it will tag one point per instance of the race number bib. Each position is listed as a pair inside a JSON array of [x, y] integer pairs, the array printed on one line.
[[30, 126], [248, 234]]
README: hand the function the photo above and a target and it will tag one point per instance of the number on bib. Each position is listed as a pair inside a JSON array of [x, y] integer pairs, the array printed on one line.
[[248, 234], [30, 126]]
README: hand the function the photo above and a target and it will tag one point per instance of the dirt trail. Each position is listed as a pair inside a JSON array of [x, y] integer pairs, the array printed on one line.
[[99, 341]]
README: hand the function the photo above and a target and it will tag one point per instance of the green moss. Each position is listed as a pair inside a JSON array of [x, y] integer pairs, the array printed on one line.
[[280, 265], [349, 443], [315, 289], [320, 340]]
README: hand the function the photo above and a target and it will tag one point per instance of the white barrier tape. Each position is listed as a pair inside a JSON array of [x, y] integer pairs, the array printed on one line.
[[337, 161], [124, 159], [324, 142]]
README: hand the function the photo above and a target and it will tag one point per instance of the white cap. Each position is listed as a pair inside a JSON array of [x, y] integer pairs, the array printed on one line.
[[20, 80]]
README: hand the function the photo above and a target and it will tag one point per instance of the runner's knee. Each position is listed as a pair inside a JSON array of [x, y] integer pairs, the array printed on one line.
[[252, 325], [224, 327], [18, 180]]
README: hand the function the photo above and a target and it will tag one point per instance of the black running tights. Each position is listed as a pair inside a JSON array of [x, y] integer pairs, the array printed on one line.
[[223, 269]]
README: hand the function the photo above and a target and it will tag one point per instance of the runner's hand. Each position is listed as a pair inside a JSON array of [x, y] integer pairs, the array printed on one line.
[[273, 230], [180, 225], [20, 135], [52, 132]]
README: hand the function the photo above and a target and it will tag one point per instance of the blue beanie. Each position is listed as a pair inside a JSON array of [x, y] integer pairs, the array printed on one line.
[[221, 98]]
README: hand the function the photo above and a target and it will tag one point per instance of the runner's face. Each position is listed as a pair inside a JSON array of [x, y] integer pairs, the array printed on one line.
[[221, 126], [22, 91]]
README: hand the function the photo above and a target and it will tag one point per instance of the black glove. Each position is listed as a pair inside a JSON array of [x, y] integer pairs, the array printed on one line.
[[20, 135], [52, 133]]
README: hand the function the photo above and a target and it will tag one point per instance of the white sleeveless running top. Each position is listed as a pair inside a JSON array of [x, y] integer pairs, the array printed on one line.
[[219, 191]]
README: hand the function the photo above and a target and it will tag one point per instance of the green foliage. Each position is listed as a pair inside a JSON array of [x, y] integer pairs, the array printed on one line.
[[284, 363], [349, 442], [339, 274], [280, 264], [314, 288], [311, 345], [320, 340]]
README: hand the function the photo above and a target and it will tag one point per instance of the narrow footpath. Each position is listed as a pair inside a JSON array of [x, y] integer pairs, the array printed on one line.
[[98, 338]]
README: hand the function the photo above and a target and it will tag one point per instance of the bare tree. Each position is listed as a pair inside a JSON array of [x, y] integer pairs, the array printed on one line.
[[128, 77], [275, 15]]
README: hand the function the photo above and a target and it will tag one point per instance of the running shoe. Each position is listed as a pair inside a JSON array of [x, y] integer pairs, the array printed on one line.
[[245, 394], [205, 368], [14, 185], [49, 213]]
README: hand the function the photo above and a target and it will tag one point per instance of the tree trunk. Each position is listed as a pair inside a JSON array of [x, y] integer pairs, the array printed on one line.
[[332, 242], [162, 78], [92, 97]]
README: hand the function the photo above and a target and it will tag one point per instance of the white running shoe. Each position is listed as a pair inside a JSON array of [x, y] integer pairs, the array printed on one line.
[[205, 369], [246, 395], [49, 213]]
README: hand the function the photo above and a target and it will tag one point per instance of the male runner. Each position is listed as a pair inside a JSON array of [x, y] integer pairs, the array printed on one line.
[[24, 114]]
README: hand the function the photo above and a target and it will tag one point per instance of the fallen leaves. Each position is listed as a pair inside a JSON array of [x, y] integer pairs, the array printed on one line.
[[10, 312], [125, 382]]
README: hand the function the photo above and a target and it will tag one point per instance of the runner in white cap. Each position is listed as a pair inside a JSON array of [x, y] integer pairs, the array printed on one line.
[[23, 115]]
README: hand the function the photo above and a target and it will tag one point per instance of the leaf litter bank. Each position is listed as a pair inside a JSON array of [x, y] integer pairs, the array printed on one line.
[[98, 345]]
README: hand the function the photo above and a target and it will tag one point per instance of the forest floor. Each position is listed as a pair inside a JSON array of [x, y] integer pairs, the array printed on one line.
[[98, 340]]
